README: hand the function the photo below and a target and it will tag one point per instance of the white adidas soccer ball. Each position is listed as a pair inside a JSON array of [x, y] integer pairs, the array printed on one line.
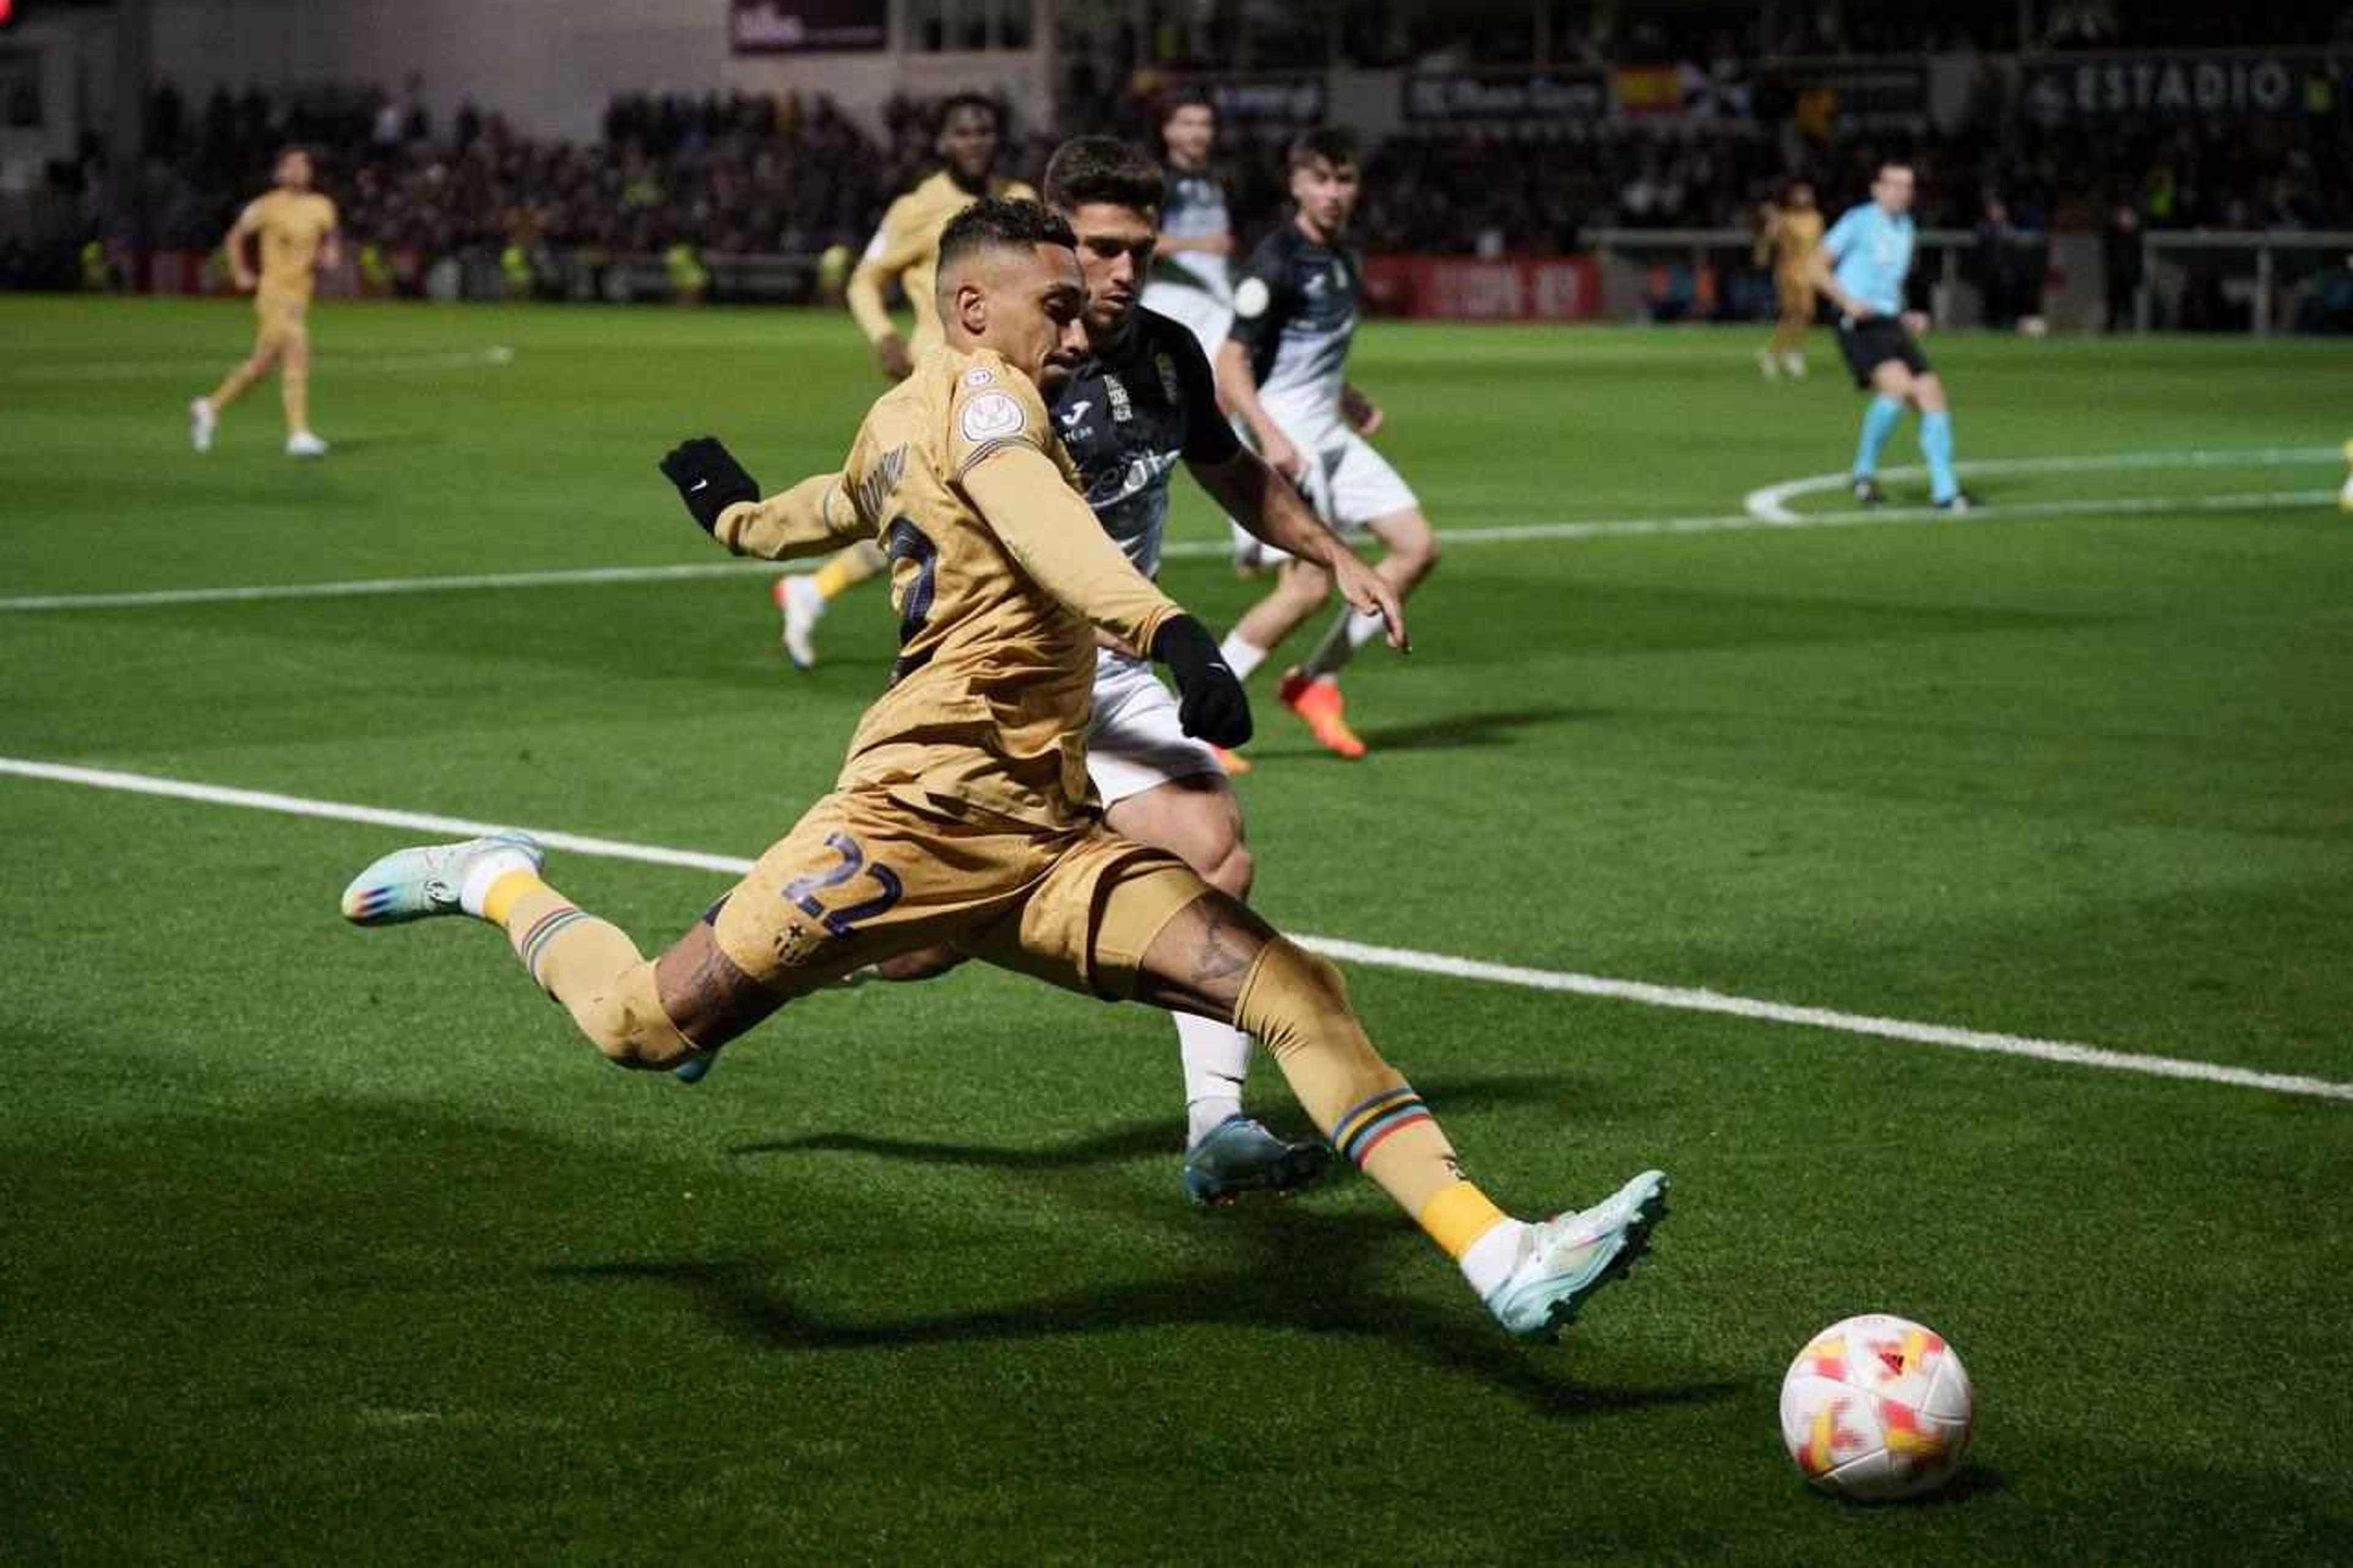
[[1877, 1407]]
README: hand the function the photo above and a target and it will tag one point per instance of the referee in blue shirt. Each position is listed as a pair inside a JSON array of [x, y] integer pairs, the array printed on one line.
[[1860, 267]]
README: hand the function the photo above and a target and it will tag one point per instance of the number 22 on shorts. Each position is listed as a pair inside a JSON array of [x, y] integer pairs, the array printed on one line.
[[802, 891]]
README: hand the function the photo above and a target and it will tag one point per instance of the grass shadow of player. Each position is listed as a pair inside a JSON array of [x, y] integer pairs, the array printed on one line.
[[1306, 1274], [1146, 1140], [1498, 727]]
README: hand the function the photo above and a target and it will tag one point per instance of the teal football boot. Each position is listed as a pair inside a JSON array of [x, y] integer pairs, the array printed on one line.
[[431, 879], [1239, 1155], [1572, 1255]]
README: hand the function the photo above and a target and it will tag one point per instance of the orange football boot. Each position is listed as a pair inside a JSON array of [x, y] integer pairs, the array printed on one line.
[[1317, 701]]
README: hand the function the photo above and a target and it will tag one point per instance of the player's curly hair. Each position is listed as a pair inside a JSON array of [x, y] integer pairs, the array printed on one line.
[[1102, 169], [996, 222], [1333, 144]]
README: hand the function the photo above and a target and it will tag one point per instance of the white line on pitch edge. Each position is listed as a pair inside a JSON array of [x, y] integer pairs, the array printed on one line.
[[1678, 998], [1189, 549], [195, 366]]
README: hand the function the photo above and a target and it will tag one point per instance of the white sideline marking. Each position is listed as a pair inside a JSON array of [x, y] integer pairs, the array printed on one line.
[[1768, 502], [1185, 549], [196, 366], [1680, 998], [365, 587]]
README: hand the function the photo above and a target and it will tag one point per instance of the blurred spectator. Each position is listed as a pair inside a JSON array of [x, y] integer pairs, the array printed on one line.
[[2121, 259]]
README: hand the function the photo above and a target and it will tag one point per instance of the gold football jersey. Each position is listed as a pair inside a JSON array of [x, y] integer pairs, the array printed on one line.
[[907, 246], [292, 226], [1000, 575], [1795, 236]]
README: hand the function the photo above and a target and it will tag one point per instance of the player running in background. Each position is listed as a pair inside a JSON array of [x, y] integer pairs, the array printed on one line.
[[962, 811], [1144, 402], [1283, 371], [1862, 265], [904, 250], [1791, 233], [295, 226], [1192, 268]]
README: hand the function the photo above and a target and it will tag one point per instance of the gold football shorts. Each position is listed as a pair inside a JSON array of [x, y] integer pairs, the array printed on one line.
[[866, 876], [284, 320]]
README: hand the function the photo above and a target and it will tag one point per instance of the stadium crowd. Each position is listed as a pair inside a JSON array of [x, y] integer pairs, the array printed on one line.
[[742, 173]]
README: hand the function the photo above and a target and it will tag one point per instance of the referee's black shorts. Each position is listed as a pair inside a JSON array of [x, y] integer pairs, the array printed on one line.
[[1872, 342]]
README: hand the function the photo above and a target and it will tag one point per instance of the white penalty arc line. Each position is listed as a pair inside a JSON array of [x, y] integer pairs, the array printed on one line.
[[1769, 503], [1674, 997], [1189, 549]]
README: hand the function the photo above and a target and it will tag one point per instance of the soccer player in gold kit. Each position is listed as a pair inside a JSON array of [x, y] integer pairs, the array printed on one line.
[[963, 812], [295, 226], [1787, 239], [904, 250]]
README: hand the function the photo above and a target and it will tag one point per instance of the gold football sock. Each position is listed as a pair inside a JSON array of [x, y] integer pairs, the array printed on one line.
[[233, 385], [294, 390], [1297, 1004], [590, 966], [846, 568]]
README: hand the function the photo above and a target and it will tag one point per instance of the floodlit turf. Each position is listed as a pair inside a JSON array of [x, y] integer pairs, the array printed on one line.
[[324, 1244]]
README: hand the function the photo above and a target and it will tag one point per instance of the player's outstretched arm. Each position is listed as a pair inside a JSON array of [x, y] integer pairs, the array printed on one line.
[[1023, 499], [1025, 502], [810, 519], [1238, 390], [1269, 507], [895, 249]]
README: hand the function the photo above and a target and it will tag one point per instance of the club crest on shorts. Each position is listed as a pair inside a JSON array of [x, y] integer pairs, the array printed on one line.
[[990, 416]]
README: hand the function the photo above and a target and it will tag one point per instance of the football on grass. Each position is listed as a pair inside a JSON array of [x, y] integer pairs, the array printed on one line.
[[1877, 1407]]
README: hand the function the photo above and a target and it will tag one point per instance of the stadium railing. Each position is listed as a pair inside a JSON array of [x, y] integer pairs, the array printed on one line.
[[2304, 280], [1710, 274]]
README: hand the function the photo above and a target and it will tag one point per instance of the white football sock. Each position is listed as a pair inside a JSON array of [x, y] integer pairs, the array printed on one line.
[[806, 598], [486, 870], [1489, 1261], [1241, 657], [1217, 1061]]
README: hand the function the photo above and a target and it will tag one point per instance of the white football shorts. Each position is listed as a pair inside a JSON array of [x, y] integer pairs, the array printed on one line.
[[1135, 742], [1349, 483]]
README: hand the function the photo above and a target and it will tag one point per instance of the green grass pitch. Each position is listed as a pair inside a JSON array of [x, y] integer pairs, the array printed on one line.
[[329, 1244]]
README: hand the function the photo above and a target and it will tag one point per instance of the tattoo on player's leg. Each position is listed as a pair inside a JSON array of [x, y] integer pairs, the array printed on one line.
[[1228, 944], [707, 996]]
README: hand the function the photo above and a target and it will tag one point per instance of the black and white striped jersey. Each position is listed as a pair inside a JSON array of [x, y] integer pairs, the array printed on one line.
[[1296, 313]]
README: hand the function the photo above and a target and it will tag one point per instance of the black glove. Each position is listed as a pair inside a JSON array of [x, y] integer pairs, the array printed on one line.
[[708, 477], [1210, 705]]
